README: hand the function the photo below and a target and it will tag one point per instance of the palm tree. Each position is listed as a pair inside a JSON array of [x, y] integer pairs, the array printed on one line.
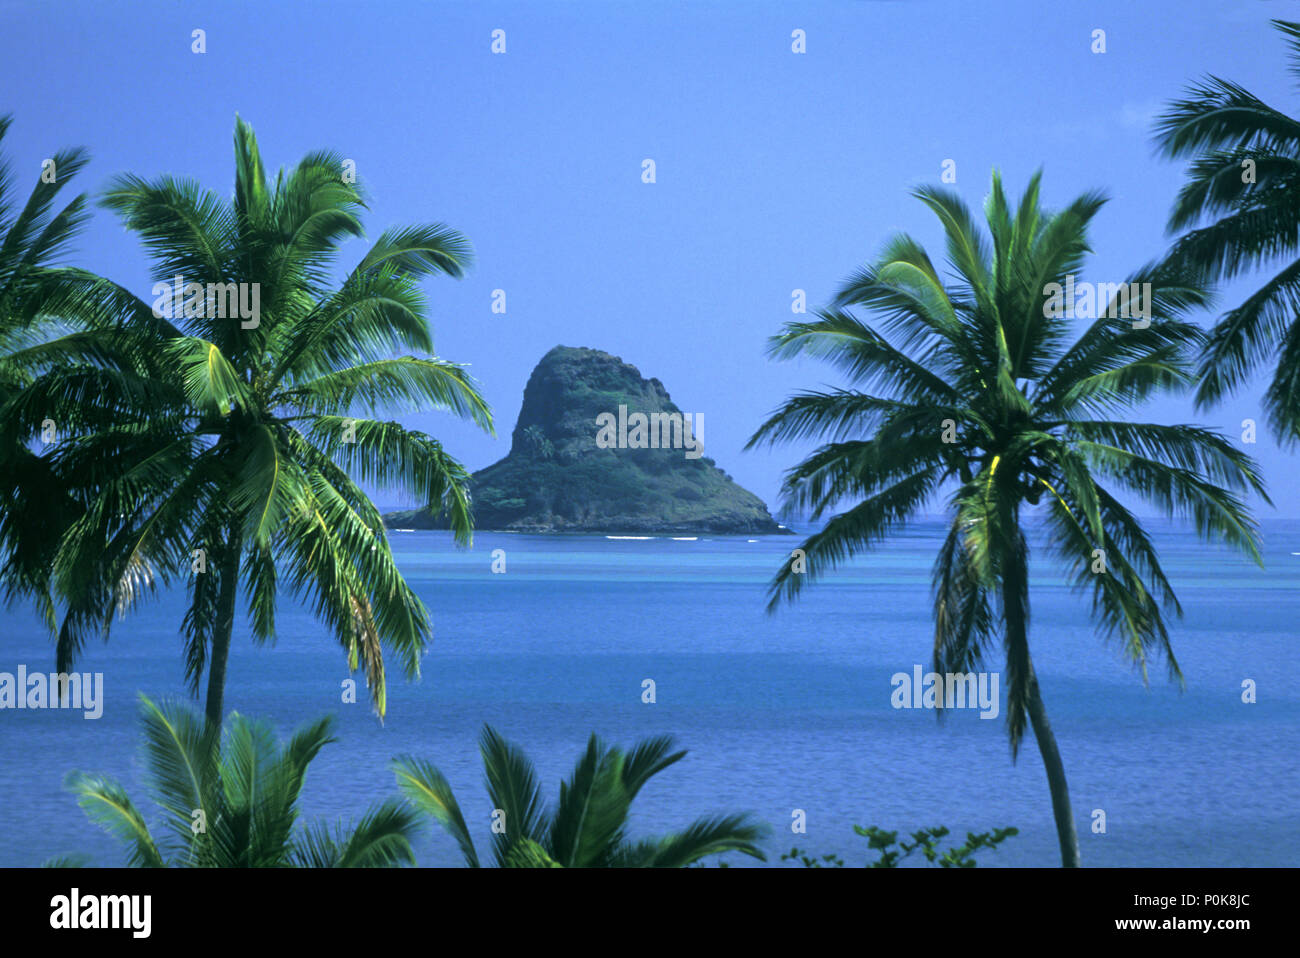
[[972, 385], [34, 502], [1242, 181], [224, 448], [62, 334], [587, 828], [232, 801]]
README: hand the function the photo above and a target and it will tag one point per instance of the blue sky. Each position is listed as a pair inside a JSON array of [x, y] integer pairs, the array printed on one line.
[[775, 171]]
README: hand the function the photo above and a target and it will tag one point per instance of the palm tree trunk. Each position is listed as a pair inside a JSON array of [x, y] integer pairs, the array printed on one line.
[[1015, 605], [1065, 831], [223, 630]]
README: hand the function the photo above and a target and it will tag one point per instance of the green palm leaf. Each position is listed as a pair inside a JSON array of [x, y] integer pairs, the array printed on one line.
[[513, 789], [586, 827], [429, 791], [106, 804], [1236, 213]]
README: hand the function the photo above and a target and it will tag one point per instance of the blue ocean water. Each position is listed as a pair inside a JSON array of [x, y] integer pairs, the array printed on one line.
[[779, 713]]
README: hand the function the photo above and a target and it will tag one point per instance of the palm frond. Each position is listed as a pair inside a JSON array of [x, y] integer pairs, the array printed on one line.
[[429, 791]]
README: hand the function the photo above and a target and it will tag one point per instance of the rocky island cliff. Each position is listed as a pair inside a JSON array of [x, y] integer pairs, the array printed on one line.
[[599, 448]]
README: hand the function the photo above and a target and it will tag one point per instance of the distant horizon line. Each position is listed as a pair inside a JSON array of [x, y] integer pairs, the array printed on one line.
[[933, 516]]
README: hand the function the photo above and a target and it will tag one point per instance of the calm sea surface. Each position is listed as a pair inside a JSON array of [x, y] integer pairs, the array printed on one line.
[[778, 713]]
